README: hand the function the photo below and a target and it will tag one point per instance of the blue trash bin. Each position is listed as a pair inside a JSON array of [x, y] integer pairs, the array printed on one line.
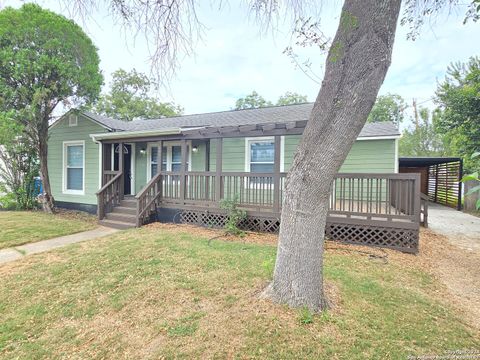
[[37, 186]]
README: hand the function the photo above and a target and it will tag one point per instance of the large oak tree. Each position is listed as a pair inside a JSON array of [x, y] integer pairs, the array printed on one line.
[[45, 60]]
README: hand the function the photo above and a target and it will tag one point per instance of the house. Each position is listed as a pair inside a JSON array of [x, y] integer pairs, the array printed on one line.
[[179, 168]]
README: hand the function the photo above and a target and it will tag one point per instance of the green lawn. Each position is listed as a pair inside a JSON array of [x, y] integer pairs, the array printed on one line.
[[21, 227], [156, 293]]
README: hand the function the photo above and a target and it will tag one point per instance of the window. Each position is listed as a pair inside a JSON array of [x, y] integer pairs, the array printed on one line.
[[262, 156], [72, 120], [74, 167], [176, 158], [153, 160], [171, 158], [164, 158]]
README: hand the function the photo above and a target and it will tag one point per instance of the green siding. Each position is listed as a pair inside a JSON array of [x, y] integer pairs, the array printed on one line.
[[376, 156], [57, 135], [198, 158], [233, 155]]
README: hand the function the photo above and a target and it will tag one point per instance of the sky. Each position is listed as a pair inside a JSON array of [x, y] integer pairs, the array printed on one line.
[[234, 57]]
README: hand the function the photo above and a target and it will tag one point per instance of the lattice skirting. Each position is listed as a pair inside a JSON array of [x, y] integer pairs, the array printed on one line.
[[395, 238], [216, 220]]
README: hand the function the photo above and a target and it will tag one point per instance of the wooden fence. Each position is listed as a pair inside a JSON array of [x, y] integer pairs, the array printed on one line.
[[470, 201], [444, 186]]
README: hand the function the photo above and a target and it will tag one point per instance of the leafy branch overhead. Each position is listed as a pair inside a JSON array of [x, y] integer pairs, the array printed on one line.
[[255, 101], [130, 99]]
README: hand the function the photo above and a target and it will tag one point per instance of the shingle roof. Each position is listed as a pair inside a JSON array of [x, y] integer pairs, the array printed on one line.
[[274, 114]]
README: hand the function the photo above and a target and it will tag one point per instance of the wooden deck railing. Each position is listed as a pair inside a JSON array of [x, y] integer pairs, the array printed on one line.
[[110, 194], [147, 198], [394, 197], [371, 197]]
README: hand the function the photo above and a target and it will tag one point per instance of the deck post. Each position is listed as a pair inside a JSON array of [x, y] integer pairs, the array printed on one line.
[[159, 170], [218, 169], [183, 169], [120, 168], [276, 175], [159, 157], [417, 197]]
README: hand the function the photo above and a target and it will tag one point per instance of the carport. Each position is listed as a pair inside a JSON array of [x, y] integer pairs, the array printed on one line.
[[440, 178]]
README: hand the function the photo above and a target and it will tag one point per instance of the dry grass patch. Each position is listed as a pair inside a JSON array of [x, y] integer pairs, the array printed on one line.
[[167, 292], [22, 227]]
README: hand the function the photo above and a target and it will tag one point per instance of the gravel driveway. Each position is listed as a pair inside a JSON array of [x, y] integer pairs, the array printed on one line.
[[461, 229]]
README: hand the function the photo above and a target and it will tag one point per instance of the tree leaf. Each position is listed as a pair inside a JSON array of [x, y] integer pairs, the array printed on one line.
[[475, 154], [478, 204], [472, 190], [469, 177]]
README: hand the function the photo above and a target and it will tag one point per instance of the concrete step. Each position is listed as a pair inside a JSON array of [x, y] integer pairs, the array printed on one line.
[[124, 210], [129, 218], [116, 224]]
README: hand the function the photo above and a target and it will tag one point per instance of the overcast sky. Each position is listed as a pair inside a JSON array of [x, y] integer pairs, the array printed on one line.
[[234, 58]]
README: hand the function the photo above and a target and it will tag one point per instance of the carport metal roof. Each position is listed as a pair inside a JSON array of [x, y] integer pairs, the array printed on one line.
[[426, 161]]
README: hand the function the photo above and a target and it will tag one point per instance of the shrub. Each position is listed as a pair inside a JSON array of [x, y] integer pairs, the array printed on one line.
[[234, 216]]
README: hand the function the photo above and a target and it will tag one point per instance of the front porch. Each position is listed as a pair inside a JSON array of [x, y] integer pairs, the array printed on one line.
[[375, 209]]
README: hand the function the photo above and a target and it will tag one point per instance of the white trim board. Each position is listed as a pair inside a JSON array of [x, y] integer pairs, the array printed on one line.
[[391, 137], [396, 165]]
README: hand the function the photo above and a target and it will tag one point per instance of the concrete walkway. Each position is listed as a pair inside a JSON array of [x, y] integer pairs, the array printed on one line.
[[15, 253], [461, 229]]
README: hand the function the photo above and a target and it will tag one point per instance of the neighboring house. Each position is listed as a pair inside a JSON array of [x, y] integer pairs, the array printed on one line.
[[180, 168]]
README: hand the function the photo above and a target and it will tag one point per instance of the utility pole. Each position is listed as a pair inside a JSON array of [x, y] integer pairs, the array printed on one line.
[[415, 112]]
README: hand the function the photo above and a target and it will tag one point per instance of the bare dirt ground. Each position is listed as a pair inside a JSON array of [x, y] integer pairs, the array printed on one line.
[[456, 268]]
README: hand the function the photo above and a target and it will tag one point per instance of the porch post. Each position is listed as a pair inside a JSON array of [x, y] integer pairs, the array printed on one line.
[[207, 168], [159, 184], [218, 169], [276, 175], [159, 157], [120, 168], [183, 169], [102, 164]]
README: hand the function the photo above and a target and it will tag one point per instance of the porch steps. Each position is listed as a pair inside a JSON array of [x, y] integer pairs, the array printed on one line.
[[116, 224], [123, 216]]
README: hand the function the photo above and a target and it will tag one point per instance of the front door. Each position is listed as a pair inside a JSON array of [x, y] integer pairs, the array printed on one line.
[[127, 166]]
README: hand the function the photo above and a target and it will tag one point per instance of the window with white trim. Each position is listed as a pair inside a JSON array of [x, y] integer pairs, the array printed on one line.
[[171, 158], [74, 167], [261, 155]]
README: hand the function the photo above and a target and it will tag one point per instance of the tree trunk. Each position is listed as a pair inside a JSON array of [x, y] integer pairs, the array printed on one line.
[[356, 66], [48, 202]]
